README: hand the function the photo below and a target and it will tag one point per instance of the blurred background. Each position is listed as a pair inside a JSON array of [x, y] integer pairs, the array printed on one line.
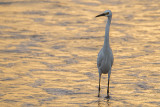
[[48, 53]]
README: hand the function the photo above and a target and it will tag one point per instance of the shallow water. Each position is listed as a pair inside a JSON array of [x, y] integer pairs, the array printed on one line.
[[48, 53]]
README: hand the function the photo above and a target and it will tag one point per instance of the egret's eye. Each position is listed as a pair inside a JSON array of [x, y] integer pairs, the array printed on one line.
[[107, 13]]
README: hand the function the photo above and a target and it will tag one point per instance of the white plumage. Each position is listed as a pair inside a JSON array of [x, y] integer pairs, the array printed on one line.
[[105, 56]]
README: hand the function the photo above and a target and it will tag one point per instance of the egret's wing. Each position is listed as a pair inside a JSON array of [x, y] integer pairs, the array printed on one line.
[[99, 58], [112, 60]]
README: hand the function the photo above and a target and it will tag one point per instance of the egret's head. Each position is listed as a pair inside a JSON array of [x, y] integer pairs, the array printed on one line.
[[107, 13]]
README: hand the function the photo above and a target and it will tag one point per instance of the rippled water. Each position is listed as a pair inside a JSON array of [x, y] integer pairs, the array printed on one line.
[[48, 52]]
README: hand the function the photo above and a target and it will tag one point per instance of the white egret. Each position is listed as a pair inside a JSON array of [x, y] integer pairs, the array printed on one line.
[[105, 56]]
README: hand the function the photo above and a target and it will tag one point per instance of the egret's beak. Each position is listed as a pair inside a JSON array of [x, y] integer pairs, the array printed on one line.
[[103, 14]]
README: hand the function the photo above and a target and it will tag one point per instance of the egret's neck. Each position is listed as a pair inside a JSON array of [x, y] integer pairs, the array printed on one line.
[[106, 45]]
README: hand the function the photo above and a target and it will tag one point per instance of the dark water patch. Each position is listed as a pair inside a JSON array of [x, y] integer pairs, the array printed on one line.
[[82, 80], [38, 38], [157, 90], [142, 31], [67, 15], [83, 58], [28, 105], [6, 3], [57, 80], [64, 70], [25, 30], [7, 79], [32, 70], [115, 82], [57, 4], [41, 13], [39, 54], [28, 97], [131, 56], [1, 71], [58, 91], [58, 46], [28, 44], [77, 88], [20, 2], [26, 57], [71, 61], [87, 48], [54, 69], [154, 102], [60, 13], [85, 3], [10, 101], [111, 2], [24, 47], [154, 42], [91, 102], [128, 38], [65, 23], [9, 65], [38, 82], [14, 36], [122, 24], [85, 37], [63, 57], [90, 75], [44, 100], [147, 46], [144, 86], [17, 35], [94, 29], [148, 51], [129, 17], [155, 74], [21, 75], [81, 93], [15, 51], [38, 19], [2, 95], [5, 27], [133, 74], [48, 99], [80, 21], [150, 8], [49, 65]]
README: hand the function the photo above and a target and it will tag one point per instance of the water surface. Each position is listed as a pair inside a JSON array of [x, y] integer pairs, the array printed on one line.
[[48, 52]]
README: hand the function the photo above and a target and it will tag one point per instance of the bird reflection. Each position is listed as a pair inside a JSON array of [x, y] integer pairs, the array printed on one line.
[[101, 102]]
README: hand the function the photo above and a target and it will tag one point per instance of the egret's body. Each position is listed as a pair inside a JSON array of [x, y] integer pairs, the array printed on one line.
[[105, 56]]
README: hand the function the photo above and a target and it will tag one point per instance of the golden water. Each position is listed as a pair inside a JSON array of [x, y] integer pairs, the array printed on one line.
[[48, 52]]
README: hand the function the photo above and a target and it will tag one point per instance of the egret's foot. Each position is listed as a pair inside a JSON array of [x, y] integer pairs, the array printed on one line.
[[107, 97], [98, 95]]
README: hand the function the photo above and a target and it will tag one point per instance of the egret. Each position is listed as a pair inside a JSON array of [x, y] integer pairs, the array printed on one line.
[[105, 56]]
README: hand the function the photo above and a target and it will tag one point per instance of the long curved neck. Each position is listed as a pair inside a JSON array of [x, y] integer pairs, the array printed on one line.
[[106, 45]]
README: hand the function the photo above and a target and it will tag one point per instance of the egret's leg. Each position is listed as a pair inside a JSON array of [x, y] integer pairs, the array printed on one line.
[[108, 83], [99, 85], [108, 89]]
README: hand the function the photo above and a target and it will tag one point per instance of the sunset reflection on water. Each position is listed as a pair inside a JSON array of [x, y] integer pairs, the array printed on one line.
[[48, 53]]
